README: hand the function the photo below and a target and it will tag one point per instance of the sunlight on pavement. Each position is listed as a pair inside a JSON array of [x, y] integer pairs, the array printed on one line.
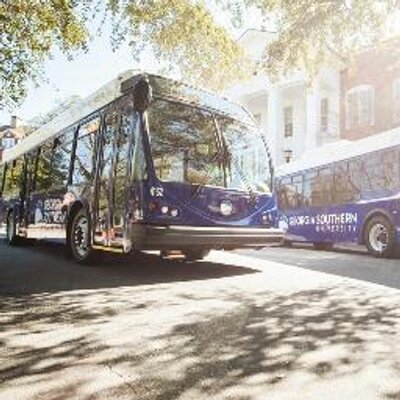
[[270, 332]]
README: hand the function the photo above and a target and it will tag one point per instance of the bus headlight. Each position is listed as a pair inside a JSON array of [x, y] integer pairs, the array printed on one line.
[[174, 212], [164, 209], [226, 207]]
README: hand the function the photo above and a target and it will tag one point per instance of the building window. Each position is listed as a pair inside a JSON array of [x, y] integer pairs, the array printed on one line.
[[288, 120], [288, 155], [8, 142], [360, 106], [396, 101], [324, 114]]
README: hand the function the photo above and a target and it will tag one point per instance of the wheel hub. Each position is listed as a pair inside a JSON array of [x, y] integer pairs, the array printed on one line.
[[378, 237], [81, 237]]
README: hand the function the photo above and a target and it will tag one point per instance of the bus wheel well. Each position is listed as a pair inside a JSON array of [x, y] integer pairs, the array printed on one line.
[[376, 213]]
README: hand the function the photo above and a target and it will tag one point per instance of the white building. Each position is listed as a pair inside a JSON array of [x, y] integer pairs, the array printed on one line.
[[295, 115], [12, 134]]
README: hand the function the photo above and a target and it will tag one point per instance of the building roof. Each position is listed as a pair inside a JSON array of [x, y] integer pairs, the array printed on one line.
[[341, 150], [7, 131]]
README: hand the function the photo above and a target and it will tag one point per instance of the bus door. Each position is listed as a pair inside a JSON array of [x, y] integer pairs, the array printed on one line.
[[113, 206], [104, 191]]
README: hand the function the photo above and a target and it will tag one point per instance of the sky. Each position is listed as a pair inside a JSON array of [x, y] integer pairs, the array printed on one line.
[[81, 76], [89, 71]]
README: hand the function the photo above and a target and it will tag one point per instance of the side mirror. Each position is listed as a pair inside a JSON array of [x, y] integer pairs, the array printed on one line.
[[142, 94]]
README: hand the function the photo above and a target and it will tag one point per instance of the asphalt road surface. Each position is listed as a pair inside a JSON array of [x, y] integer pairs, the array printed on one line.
[[272, 324]]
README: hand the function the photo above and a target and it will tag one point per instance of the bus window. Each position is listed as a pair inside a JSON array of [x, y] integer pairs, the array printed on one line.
[[295, 192], [308, 188], [343, 191], [391, 169], [327, 185], [121, 171], [85, 153], [60, 161], [184, 145], [355, 173], [282, 194], [43, 173]]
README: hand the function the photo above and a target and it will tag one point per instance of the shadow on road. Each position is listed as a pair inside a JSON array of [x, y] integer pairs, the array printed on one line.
[[261, 343], [346, 263], [43, 267]]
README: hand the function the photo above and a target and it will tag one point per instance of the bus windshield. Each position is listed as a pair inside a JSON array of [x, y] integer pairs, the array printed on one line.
[[191, 145]]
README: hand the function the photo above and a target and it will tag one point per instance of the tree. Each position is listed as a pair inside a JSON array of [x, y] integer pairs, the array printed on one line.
[[29, 30], [312, 33], [186, 35], [180, 32]]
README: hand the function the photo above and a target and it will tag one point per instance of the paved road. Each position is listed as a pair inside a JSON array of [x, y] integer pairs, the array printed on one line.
[[274, 324]]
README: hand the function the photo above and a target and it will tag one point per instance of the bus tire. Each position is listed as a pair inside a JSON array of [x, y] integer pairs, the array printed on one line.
[[323, 245], [196, 255], [79, 242], [12, 237], [380, 237]]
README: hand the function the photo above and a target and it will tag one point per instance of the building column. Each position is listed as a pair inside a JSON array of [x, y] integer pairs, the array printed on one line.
[[274, 124], [312, 118]]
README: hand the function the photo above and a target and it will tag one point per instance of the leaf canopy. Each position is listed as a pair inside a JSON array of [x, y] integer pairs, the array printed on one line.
[[186, 35]]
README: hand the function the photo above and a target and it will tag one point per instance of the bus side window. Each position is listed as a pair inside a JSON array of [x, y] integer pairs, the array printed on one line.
[[60, 161], [308, 188], [294, 192], [355, 171], [297, 191], [326, 185], [85, 153], [342, 192], [284, 193], [391, 169], [43, 178], [280, 195]]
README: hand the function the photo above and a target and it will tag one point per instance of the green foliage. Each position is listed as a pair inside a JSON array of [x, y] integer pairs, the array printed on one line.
[[313, 33], [29, 30], [185, 35]]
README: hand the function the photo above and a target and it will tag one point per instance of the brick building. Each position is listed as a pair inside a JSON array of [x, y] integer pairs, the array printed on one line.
[[370, 92]]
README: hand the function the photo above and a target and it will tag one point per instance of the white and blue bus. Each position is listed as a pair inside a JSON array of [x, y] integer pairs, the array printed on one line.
[[345, 192], [145, 163]]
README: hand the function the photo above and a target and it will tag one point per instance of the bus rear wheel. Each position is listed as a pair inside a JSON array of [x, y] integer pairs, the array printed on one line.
[[79, 244], [380, 237]]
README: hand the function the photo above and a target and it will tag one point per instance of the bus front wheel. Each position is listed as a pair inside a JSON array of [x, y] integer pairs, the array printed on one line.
[[79, 244], [380, 237]]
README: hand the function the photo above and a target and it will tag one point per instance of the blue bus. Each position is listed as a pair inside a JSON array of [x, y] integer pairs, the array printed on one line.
[[346, 192], [145, 163]]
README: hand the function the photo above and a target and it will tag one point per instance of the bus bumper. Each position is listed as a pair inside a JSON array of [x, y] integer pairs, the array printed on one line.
[[148, 237]]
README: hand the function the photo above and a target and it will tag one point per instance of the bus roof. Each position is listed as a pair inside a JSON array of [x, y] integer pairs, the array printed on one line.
[[162, 88], [341, 150]]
